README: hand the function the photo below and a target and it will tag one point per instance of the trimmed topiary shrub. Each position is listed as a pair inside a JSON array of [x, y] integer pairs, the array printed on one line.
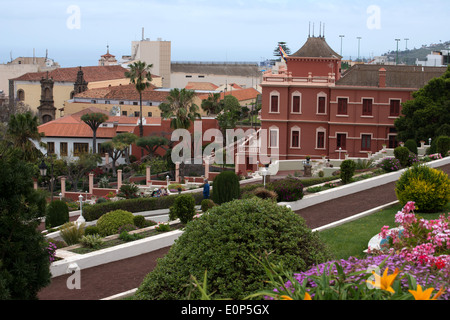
[[110, 223], [91, 230], [429, 188], [288, 190], [183, 209], [411, 145], [402, 154], [225, 243], [443, 145], [226, 187], [265, 194], [139, 221], [207, 204], [348, 168], [57, 214]]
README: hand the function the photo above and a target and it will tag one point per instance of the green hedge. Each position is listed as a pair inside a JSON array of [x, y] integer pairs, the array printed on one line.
[[94, 212]]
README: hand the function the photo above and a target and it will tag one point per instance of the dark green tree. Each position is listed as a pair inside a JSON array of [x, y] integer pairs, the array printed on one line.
[[276, 51], [427, 115], [226, 187], [22, 129], [94, 120], [24, 260], [141, 77], [115, 150], [126, 139], [212, 105], [180, 108], [151, 144]]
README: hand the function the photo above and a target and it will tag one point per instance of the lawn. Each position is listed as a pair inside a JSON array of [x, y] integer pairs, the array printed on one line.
[[351, 239]]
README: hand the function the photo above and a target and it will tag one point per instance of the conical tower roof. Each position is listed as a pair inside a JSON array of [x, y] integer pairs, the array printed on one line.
[[316, 47]]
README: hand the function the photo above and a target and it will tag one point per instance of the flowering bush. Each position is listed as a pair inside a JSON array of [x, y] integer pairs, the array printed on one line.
[[51, 249], [390, 164], [419, 241], [288, 190], [382, 277], [162, 227]]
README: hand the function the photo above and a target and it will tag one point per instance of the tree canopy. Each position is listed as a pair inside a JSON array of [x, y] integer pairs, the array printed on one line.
[[180, 108], [427, 115], [94, 120]]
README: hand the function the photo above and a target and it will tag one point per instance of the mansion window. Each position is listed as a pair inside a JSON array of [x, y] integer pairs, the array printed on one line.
[[296, 101], [273, 138], [50, 147], [295, 138], [124, 113], [395, 108], [367, 107], [80, 148], [320, 140], [342, 141], [342, 106], [63, 151], [321, 105], [274, 103], [21, 95], [366, 142]]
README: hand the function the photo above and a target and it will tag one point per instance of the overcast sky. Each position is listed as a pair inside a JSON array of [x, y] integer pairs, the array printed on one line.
[[77, 32]]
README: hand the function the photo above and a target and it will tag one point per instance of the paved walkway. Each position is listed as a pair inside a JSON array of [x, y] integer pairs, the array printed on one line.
[[117, 277]]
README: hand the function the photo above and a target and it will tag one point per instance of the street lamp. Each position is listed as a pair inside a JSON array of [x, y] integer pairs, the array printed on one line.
[[341, 36], [167, 179], [359, 47], [264, 173], [81, 219]]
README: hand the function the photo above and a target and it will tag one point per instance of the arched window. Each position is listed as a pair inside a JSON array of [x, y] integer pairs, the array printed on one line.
[[20, 95], [296, 102], [274, 102], [295, 137]]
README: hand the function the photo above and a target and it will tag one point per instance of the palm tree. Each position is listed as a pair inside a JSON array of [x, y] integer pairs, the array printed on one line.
[[212, 104], [94, 120], [22, 129], [141, 77], [180, 108]]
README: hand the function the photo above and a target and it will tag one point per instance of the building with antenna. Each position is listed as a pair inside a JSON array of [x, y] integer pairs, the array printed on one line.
[[311, 108]]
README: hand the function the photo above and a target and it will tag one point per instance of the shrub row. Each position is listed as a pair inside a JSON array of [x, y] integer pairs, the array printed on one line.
[[94, 212]]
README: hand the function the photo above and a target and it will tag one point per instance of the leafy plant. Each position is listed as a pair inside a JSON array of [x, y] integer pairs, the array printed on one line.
[[128, 191], [443, 145], [127, 237], [183, 209], [411, 145], [162, 227], [288, 189], [226, 187], [110, 223], [207, 204], [402, 155], [348, 168], [93, 241], [390, 164], [72, 232], [57, 214]]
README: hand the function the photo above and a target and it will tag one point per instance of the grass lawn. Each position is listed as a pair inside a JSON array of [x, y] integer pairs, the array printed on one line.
[[351, 239]]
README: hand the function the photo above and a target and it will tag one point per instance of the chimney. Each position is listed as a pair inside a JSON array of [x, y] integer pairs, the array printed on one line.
[[382, 78]]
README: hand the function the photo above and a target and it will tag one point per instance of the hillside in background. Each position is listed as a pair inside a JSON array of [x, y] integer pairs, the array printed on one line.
[[410, 56]]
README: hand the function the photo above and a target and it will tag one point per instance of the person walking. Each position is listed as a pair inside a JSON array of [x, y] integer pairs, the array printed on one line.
[[206, 189]]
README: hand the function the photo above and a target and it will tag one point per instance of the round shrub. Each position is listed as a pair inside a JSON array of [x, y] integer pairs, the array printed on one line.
[[288, 190], [263, 193], [226, 243], [429, 188], [139, 221], [207, 204], [390, 164], [183, 208], [402, 154], [443, 145], [57, 214], [411, 145], [101, 200], [226, 187], [91, 230], [110, 222], [348, 168]]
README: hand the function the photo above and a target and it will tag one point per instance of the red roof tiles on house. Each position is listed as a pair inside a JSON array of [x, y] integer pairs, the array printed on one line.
[[124, 92]]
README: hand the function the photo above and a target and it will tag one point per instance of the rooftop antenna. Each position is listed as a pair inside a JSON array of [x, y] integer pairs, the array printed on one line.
[[309, 32], [323, 30], [142, 33], [320, 30], [313, 29]]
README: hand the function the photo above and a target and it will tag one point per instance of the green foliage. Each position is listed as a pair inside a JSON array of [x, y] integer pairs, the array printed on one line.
[[427, 113], [109, 223], [127, 237], [348, 168], [288, 190], [57, 214], [128, 191], [24, 260], [429, 188], [411, 145], [94, 120], [91, 230], [180, 108], [72, 233], [223, 243], [152, 143], [183, 209], [139, 221], [443, 145], [93, 241], [207, 204], [265, 194], [402, 155], [226, 187], [94, 212]]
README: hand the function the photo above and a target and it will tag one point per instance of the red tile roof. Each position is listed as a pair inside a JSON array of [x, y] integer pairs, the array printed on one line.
[[124, 92], [91, 74], [241, 95], [201, 86], [73, 127]]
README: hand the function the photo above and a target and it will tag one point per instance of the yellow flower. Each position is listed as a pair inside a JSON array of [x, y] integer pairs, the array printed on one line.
[[385, 282], [286, 298], [425, 295], [307, 296]]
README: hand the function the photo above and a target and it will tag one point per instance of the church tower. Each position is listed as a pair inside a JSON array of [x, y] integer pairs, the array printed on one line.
[[80, 84], [47, 110]]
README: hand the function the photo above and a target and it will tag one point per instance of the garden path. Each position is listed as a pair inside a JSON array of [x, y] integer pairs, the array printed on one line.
[[117, 277]]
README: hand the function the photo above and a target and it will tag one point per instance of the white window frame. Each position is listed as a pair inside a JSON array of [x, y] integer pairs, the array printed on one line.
[[321, 129], [320, 95], [274, 93], [299, 130], [277, 130], [296, 94]]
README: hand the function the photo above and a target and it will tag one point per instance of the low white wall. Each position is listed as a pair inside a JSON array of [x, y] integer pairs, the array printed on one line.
[[355, 187], [124, 251]]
